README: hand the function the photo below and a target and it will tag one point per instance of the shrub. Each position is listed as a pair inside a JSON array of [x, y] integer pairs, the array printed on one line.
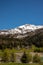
[[41, 49], [12, 58], [37, 49], [5, 56], [36, 58]]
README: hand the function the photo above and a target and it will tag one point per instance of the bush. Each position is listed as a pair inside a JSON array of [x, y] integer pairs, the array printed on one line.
[[37, 49], [41, 50], [36, 58], [33, 47], [12, 58], [26, 58], [5, 56]]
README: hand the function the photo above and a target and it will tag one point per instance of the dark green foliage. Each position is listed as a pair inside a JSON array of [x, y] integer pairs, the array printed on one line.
[[26, 58]]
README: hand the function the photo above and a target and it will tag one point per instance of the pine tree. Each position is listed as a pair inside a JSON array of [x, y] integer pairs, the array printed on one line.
[[26, 58]]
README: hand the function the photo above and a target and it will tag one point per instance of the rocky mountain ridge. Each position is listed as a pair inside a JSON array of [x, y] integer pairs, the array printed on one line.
[[21, 31]]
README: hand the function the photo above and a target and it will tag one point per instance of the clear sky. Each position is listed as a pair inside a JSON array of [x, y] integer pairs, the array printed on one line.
[[14, 13]]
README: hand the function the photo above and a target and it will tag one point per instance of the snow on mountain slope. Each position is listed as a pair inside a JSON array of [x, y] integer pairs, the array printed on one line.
[[22, 29]]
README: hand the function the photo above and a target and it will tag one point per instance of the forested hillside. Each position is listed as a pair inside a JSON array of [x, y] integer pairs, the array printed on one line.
[[32, 38]]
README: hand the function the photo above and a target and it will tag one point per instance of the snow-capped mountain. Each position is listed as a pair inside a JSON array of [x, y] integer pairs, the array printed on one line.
[[21, 29], [24, 29]]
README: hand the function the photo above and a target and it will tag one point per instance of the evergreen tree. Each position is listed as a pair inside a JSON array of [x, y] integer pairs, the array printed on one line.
[[26, 58]]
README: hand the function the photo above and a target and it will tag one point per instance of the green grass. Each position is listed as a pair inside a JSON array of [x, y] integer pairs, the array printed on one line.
[[19, 64]]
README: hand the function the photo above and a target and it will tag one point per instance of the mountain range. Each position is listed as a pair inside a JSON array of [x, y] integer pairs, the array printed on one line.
[[25, 35], [21, 31]]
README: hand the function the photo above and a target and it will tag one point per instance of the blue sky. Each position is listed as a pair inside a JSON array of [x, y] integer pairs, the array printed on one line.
[[14, 13]]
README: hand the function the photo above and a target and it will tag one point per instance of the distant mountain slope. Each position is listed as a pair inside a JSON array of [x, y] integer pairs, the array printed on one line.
[[36, 39], [28, 36], [20, 31]]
